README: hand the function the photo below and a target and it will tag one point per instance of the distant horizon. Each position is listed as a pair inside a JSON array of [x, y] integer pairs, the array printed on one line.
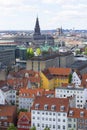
[[44, 30], [21, 14]]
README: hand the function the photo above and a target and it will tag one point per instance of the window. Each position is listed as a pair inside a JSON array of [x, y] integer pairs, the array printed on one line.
[[53, 113], [38, 118], [53, 119], [74, 126], [64, 114], [69, 125], [46, 113], [50, 113], [38, 112], [38, 125], [58, 114], [42, 113], [63, 120], [58, 120], [53, 107], [46, 119], [42, 118], [53, 126], [45, 106], [50, 119], [58, 126], [33, 117], [69, 119], [63, 126]]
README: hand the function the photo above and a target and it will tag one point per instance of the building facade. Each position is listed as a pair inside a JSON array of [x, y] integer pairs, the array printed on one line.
[[49, 114], [79, 93], [40, 63]]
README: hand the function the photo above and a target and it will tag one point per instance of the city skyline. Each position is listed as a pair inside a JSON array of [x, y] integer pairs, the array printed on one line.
[[21, 14]]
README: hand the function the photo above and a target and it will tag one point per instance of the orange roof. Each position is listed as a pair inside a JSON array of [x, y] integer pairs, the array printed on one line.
[[31, 93], [51, 72], [59, 71], [7, 111], [58, 102], [27, 114], [22, 82], [76, 113], [22, 73]]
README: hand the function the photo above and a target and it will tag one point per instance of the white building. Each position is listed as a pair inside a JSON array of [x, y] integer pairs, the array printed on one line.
[[27, 96], [10, 94], [76, 79], [2, 97], [56, 114], [79, 93], [49, 112]]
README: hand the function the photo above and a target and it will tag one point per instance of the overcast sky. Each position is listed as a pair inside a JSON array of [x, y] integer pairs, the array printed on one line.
[[52, 14]]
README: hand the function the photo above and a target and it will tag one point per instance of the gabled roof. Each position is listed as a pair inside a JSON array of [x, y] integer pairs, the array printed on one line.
[[27, 116], [58, 102]]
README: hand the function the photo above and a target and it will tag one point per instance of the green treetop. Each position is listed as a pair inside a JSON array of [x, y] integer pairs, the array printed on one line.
[[12, 127]]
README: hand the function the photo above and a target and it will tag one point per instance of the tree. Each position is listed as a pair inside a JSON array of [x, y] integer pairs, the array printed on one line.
[[33, 128], [70, 78], [22, 110], [85, 51], [38, 51], [12, 127], [30, 53]]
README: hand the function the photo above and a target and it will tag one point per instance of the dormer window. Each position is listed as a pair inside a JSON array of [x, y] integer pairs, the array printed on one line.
[[71, 113], [45, 106], [81, 113], [62, 108], [53, 107], [37, 106]]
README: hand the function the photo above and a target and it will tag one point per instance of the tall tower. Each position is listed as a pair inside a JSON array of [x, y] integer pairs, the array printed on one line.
[[37, 28]]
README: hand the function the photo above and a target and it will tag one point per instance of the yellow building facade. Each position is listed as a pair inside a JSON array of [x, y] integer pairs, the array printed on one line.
[[51, 82]]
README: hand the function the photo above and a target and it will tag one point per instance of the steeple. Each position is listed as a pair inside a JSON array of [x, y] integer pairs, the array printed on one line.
[[37, 28]]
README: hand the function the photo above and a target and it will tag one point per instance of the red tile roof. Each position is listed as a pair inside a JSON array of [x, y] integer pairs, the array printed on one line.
[[76, 113], [51, 101], [59, 71], [27, 114], [7, 111], [51, 72], [31, 93]]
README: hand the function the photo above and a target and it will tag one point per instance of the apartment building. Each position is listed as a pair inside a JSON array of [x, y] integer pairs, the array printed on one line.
[[54, 77], [77, 119], [49, 112], [56, 114], [27, 97], [79, 93]]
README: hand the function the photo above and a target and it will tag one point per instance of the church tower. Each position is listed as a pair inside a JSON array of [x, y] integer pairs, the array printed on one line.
[[37, 28]]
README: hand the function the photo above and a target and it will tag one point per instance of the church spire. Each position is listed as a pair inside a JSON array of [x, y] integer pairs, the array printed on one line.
[[37, 28]]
